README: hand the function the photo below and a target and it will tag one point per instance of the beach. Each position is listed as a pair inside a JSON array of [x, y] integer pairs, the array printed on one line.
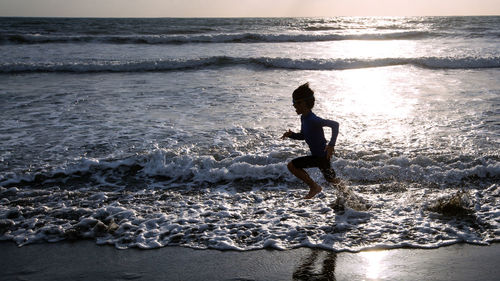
[[84, 260]]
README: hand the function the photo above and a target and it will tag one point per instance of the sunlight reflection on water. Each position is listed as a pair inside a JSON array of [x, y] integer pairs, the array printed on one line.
[[371, 105], [374, 262]]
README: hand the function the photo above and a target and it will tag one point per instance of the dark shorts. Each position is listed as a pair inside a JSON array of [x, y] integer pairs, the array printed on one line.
[[315, 162]]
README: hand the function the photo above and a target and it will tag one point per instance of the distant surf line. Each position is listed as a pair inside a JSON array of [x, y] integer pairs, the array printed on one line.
[[210, 38], [99, 66]]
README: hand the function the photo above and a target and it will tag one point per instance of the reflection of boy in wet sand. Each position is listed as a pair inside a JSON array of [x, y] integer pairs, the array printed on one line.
[[312, 132], [307, 271]]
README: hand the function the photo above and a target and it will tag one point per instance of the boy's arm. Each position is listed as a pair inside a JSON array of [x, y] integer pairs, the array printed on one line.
[[335, 130], [297, 136], [292, 135]]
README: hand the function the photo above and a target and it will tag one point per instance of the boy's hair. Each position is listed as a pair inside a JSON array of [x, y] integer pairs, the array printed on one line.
[[303, 92]]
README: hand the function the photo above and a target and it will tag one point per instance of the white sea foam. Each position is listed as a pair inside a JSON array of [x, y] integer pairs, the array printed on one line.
[[264, 216], [244, 221], [196, 170]]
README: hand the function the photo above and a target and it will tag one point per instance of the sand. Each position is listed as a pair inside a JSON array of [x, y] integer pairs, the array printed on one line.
[[84, 260]]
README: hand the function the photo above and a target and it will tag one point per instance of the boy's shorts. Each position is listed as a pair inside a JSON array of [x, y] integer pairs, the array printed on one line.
[[315, 162]]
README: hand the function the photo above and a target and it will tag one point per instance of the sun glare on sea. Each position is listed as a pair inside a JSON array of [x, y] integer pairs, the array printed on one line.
[[372, 92], [372, 103]]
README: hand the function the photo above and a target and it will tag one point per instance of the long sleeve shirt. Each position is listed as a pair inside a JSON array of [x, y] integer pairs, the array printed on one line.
[[311, 131]]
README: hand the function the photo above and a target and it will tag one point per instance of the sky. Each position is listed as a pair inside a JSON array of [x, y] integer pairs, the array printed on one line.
[[245, 8]]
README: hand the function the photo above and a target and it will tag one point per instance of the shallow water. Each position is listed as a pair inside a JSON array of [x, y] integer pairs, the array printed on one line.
[[142, 143]]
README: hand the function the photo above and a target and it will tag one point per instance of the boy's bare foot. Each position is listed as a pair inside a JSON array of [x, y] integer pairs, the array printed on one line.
[[313, 191]]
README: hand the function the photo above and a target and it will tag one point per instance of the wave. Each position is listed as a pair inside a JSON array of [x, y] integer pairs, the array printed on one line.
[[168, 169], [163, 199], [156, 168], [207, 38], [267, 62]]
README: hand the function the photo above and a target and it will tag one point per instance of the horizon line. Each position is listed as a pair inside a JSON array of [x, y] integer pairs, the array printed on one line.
[[248, 17]]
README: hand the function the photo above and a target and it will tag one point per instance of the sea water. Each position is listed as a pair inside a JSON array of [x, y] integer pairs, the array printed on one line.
[[156, 132]]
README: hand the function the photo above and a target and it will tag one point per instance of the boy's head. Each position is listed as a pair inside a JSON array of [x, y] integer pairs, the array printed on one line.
[[304, 93]]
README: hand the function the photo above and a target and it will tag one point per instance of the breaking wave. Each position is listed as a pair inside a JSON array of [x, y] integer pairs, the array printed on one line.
[[206, 38], [96, 66], [162, 199], [165, 169]]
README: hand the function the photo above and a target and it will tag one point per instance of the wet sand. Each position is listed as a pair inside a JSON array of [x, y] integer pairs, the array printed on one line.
[[84, 260]]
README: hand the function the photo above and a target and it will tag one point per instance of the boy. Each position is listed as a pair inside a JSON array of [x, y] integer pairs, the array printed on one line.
[[312, 132]]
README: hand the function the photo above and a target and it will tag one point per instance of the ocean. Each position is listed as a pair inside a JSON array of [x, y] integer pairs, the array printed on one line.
[[159, 132]]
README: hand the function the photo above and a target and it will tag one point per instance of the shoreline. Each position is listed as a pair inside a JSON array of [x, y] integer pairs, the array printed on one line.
[[85, 260]]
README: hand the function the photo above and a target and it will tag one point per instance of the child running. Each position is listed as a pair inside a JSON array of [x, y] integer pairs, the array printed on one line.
[[312, 132]]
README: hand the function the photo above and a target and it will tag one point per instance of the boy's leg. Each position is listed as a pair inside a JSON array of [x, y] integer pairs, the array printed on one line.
[[328, 172], [300, 173], [330, 176]]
